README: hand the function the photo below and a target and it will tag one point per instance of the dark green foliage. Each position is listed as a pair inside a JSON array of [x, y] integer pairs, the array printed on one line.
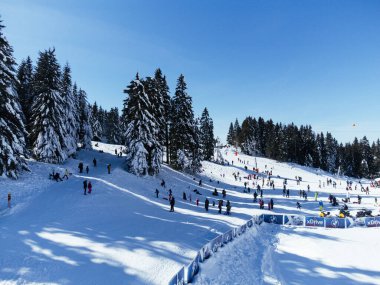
[[207, 140], [301, 145], [184, 141]]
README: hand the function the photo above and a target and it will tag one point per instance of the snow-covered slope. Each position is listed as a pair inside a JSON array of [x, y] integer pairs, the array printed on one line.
[[122, 233]]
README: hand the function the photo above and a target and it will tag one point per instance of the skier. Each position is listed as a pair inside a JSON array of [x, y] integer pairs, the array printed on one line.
[[224, 193], [200, 182], [228, 207], [184, 196], [89, 187], [207, 202], [157, 192], [287, 193], [220, 205], [172, 202], [115, 151], [109, 168], [94, 162], [9, 199], [57, 177], [163, 183], [85, 187], [80, 166], [66, 174], [298, 205], [320, 205], [271, 204], [87, 169], [284, 191], [316, 196], [197, 201], [255, 197]]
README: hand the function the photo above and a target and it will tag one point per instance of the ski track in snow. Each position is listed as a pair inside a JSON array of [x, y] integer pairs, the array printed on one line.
[[123, 234]]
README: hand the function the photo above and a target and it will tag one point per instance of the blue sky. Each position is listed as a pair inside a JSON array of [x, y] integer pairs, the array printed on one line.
[[307, 62]]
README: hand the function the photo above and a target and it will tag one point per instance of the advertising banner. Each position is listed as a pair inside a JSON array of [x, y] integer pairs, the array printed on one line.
[[293, 220], [179, 278], [205, 252], [193, 269], [227, 237], [314, 222], [360, 222], [338, 223], [273, 219], [349, 222], [216, 243], [242, 229], [260, 219], [372, 222]]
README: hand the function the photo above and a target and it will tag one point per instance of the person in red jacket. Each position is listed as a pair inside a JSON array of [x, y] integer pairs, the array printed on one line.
[[89, 186]]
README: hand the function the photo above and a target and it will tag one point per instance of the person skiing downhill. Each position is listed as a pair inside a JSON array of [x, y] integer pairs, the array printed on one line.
[[94, 162], [87, 169]]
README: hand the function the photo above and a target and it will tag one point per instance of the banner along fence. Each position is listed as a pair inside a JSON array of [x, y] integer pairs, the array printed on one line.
[[187, 273]]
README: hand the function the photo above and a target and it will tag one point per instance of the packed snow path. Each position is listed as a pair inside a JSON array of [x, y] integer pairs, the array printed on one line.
[[123, 234]]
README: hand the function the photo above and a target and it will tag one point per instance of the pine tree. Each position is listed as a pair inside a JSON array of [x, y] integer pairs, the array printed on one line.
[[48, 131], [12, 130], [71, 120], [85, 131], [113, 131], [162, 89], [96, 126], [184, 142], [144, 151], [25, 89], [237, 131], [207, 140], [331, 153], [230, 135], [248, 142]]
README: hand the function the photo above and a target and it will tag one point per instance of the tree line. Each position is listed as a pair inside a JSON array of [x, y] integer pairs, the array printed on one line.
[[290, 143], [44, 115]]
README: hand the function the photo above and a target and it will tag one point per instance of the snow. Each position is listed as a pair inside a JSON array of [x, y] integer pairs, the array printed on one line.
[[123, 234]]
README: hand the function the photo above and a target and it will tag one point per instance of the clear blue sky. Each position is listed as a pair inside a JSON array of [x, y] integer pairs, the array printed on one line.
[[307, 62]]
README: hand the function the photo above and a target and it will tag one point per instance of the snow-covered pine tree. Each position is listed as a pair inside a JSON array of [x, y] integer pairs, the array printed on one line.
[[144, 150], [113, 130], [71, 120], [237, 131], [24, 88], [164, 120], [230, 135], [207, 140], [12, 130], [97, 129], [85, 131], [183, 134], [248, 142], [48, 129]]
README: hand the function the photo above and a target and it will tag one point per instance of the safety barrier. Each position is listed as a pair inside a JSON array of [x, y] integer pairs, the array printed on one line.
[[186, 274], [322, 222]]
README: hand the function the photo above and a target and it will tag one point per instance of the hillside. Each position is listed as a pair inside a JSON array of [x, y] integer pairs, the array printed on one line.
[[122, 234]]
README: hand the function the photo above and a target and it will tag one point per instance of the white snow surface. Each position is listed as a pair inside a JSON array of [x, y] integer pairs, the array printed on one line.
[[123, 234]]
